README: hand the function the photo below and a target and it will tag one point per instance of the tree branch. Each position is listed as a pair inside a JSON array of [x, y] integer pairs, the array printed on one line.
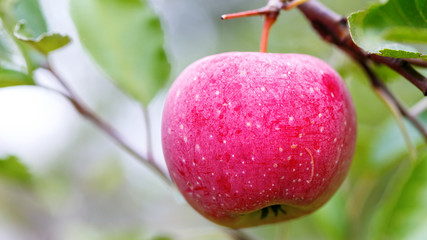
[[416, 62], [104, 126], [333, 28]]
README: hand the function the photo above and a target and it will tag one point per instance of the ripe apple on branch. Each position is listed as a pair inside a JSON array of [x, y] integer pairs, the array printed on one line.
[[255, 138]]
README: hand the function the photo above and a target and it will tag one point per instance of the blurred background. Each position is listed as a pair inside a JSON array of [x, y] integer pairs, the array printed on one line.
[[83, 186]]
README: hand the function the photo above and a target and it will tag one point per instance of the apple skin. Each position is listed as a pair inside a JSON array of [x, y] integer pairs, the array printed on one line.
[[253, 138]]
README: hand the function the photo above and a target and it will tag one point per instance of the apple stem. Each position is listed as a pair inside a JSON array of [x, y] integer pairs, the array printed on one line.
[[271, 12], [270, 19]]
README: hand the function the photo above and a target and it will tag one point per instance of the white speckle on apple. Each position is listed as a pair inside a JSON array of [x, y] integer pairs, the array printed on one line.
[[293, 146]]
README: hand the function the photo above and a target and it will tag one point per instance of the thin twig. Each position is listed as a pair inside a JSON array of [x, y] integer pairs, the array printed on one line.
[[416, 62], [237, 234], [394, 105], [149, 144], [103, 125], [419, 107]]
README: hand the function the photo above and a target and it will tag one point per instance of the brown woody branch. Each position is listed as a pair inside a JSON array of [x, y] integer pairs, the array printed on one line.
[[333, 28]]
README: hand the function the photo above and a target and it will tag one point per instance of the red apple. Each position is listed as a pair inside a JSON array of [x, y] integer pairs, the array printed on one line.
[[255, 138]]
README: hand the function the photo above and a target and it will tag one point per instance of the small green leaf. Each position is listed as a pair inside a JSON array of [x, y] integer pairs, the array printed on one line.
[[126, 40], [44, 43], [12, 64], [14, 11], [10, 78], [12, 169], [391, 29]]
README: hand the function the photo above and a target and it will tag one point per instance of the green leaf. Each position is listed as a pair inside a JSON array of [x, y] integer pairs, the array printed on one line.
[[13, 11], [24, 20], [391, 28], [44, 43], [12, 169], [10, 78], [12, 64], [126, 40]]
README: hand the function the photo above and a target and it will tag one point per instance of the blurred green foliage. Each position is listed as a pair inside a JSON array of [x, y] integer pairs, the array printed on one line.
[[126, 40], [94, 194], [13, 170]]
